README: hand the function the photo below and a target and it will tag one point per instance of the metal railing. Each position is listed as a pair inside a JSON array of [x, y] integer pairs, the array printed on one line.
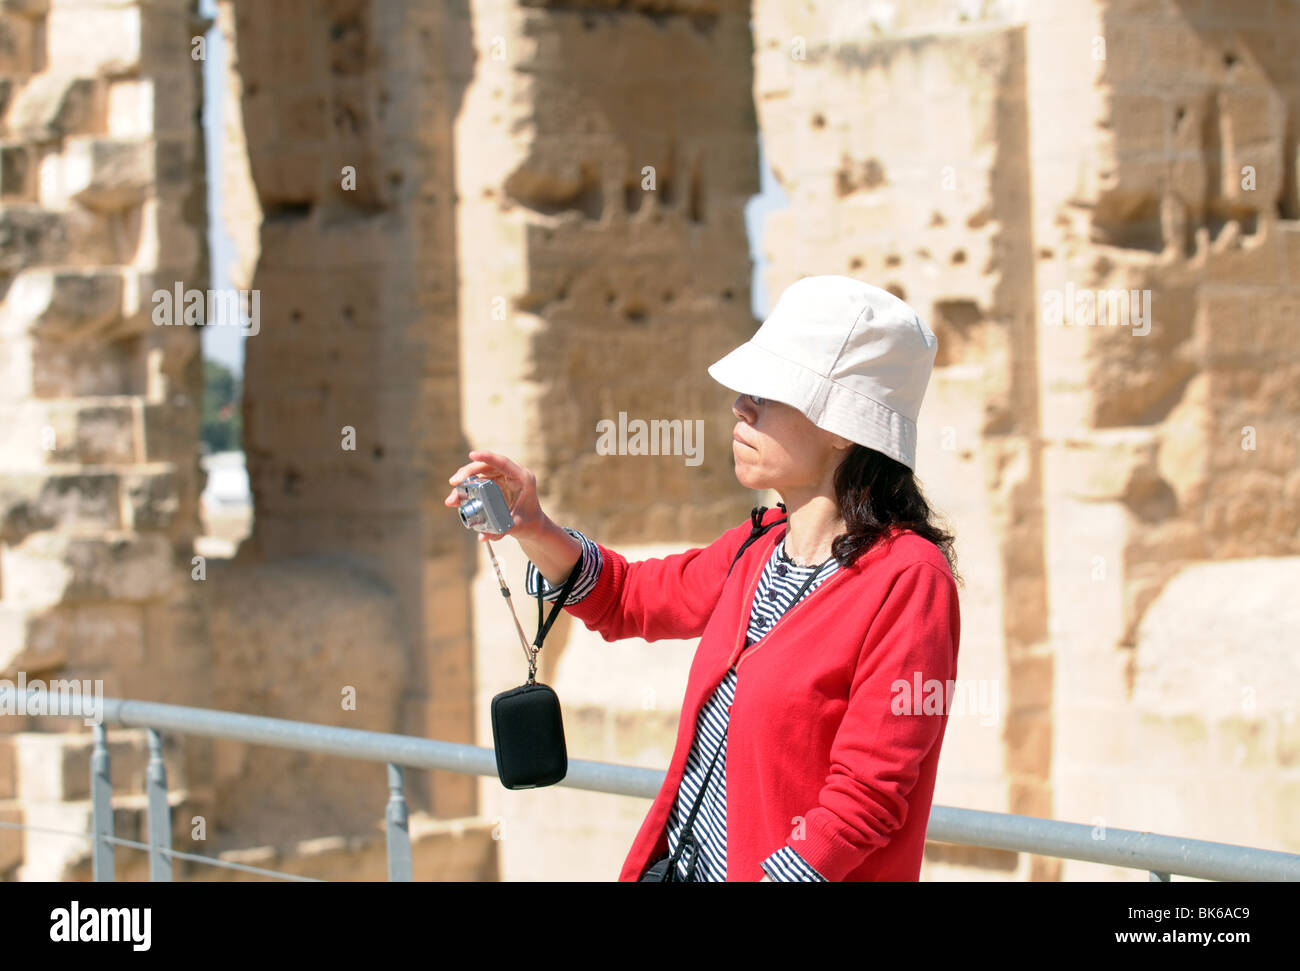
[[1161, 856]]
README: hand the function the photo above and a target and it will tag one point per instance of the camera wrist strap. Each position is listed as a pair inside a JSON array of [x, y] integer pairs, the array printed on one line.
[[542, 629]]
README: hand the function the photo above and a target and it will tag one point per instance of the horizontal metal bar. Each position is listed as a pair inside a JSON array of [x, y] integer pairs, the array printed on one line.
[[405, 750], [972, 827], [1120, 847]]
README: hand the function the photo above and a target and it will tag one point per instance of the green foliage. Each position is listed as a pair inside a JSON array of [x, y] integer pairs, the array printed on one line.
[[221, 428]]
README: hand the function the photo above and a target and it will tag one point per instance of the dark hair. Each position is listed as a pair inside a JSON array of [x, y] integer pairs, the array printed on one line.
[[876, 492]]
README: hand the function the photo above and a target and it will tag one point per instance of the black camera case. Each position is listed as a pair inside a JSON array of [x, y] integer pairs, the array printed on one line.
[[528, 735]]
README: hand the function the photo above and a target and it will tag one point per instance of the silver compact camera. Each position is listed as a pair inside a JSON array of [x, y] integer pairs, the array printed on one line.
[[482, 506]]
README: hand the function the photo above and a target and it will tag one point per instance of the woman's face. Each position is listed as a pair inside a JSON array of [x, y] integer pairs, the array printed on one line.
[[779, 448]]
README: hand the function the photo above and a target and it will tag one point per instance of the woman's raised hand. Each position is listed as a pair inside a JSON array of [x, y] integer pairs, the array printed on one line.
[[518, 485]]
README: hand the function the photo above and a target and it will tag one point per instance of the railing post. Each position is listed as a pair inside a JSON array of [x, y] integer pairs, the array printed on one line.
[[399, 836], [101, 807], [160, 813]]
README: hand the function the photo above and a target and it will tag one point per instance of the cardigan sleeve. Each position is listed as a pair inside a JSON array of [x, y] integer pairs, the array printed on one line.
[[661, 598], [786, 866], [590, 565], [876, 756]]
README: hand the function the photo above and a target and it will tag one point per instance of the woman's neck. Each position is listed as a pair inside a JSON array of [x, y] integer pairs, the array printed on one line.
[[813, 524]]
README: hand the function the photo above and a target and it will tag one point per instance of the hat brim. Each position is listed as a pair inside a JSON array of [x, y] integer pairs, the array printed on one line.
[[752, 369]]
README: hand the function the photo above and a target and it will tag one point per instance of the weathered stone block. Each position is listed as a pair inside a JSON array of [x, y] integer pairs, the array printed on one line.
[[57, 767], [15, 171], [289, 180], [276, 627], [1254, 261], [109, 174], [62, 304], [1174, 52], [461, 849], [446, 599], [1244, 321], [27, 235], [130, 107], [1250, 117], [1103, 467], [169, 240], [54, 105], [54, 567], [31, 235], [153, 496], [1290, 234], [171, 430], [100, 434], [99, 636], [168, 31], [178, 657], [36, 432], [11, 839], [1138, 121], [72, 370], [64, 500], [17, 650], [26, 8], [8, 772], [19, 38], [95, 39]]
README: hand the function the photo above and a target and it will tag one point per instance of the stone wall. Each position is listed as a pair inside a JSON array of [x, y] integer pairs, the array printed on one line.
[[989, 162], [1176, 446], [100, 425], [351, 395], [101, 204], [494, 224], [904, 147], [604, 158]]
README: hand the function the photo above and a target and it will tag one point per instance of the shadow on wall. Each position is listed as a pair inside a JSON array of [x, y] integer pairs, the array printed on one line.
[[310, 639]]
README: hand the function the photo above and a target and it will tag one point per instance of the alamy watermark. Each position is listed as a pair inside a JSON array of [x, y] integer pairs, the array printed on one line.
[[656, 437], [1098, 308], [208, 308], [60, 697], [130, 925], [930, 696]]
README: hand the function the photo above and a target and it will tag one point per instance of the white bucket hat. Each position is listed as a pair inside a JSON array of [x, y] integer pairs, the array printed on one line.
[[853, 358]]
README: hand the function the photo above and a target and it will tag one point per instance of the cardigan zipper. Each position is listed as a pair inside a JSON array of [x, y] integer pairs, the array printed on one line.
[[780, 620], [749, 599], [744, 628]]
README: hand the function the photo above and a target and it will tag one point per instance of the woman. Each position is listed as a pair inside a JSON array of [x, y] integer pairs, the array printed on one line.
[[818, 764]]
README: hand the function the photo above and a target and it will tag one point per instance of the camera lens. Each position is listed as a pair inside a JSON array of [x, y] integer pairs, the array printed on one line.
[[472, 513]]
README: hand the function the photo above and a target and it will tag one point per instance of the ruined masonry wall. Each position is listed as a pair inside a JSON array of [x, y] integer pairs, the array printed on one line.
[[101, 203]]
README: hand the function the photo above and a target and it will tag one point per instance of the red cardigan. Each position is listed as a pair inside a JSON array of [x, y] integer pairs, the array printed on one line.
[[816, 759]]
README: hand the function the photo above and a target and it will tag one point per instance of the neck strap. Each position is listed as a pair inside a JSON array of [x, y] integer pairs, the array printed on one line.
[[816, 572], [756, 530]]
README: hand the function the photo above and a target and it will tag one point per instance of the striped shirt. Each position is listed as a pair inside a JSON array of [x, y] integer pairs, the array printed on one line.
[[777, 587]]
